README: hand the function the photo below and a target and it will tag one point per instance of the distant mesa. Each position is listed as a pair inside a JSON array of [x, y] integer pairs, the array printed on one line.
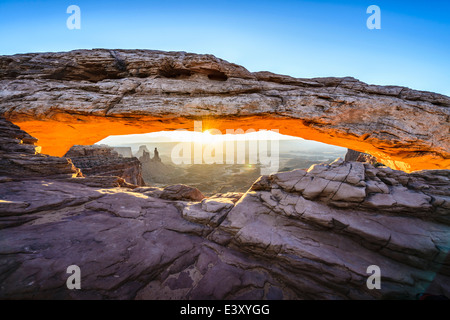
[[156, 156], [124, 151], [141, 151], [154, 171], [145, 157], [103, 160]]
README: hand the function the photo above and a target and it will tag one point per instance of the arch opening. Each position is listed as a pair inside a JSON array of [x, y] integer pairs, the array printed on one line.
[[218, 163], [59, 133]]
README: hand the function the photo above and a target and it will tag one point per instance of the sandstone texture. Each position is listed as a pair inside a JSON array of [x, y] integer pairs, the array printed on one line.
[[353, 155], [102, 160], [303, 234], [83, 96], [20, 157]]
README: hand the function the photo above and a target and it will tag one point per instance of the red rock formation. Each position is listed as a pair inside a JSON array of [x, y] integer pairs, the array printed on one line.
[[102, 160], [20, 157], [83, 96], [353, 155]]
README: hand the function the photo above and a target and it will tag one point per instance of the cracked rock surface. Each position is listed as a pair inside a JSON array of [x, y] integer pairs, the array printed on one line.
[[293, 235]]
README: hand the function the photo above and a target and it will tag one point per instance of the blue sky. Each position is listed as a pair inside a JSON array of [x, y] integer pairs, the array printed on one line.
[[298, 38]]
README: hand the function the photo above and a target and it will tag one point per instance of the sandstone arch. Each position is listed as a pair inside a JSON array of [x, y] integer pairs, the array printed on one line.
[[83, 96]]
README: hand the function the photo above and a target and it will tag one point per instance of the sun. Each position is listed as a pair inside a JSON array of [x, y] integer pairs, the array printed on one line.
[[209, 137]]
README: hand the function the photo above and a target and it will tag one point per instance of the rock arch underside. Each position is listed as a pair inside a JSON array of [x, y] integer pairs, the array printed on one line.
[[83, 96], [302, 234]]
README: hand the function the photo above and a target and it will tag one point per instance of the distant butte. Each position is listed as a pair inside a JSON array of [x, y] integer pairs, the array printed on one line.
[[83, 96]]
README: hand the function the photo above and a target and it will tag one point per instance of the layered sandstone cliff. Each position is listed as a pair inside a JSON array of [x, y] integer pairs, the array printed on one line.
[[102, 160], [83, 96], [21, 158]]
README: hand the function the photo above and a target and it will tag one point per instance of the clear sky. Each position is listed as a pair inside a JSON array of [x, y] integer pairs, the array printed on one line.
[[297, 38]]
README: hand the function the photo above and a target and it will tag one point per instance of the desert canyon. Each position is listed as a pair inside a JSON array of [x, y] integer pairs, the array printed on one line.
[[301, 234]]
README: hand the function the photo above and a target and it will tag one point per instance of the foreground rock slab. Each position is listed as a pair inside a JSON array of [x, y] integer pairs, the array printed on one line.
[[127, 245]]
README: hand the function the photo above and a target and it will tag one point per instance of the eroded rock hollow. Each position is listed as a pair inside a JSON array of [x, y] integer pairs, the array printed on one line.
[[83, 96]]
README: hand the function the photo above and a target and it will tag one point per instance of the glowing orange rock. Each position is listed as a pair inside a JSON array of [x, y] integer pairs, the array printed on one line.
[[83, 96], [56, 137]]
